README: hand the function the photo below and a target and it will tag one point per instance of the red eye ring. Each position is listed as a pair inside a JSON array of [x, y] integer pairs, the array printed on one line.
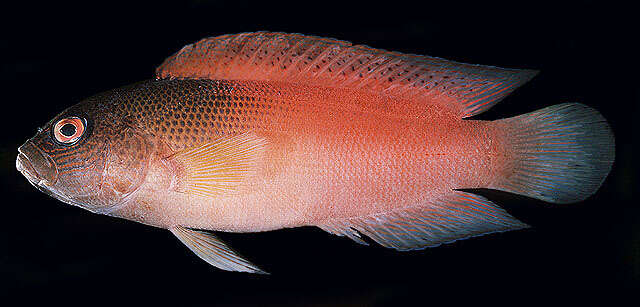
[[68, 137]]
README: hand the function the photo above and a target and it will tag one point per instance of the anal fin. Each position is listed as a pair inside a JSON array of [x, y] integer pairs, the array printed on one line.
[[215, 252], [456, 216]]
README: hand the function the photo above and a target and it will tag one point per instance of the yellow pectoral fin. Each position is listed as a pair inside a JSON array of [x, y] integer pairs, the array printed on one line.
[[221, 166]]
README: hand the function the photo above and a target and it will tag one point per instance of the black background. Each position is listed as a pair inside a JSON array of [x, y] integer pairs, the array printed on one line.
[[54, 55]]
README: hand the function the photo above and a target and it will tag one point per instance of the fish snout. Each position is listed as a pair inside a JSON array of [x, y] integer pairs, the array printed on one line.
[[34, 164]]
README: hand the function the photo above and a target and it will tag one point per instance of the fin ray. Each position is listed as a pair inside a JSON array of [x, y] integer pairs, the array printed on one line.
[[267, 56], [220, 166], [215, 252], [456, 216], [562, 153]]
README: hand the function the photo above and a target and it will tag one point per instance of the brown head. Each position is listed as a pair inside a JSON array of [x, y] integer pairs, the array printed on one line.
[[93, 155]]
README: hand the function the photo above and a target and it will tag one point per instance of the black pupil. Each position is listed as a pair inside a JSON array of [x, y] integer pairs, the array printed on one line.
[[68, 130]]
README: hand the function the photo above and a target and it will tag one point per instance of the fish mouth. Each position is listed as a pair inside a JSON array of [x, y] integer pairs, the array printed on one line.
[[44, 185], [42, 172], [36, 165], [38, 168]]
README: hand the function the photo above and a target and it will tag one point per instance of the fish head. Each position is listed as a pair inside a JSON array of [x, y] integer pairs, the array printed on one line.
[[88, 156]]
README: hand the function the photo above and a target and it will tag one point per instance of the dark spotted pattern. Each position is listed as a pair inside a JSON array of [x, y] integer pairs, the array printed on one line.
[[186, 113], [130, 126]]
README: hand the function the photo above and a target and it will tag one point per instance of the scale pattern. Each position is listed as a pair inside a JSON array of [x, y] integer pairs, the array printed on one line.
[[189, 113]]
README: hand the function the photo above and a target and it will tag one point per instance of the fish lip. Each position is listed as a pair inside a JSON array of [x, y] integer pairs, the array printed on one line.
[[24, 166], [28, 153], [42, 178]]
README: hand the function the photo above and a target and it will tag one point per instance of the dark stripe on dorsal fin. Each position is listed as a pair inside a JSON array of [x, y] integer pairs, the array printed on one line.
[[468, 89]]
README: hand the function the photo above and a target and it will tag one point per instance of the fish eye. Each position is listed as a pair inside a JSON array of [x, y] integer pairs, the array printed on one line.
[[69, 130]]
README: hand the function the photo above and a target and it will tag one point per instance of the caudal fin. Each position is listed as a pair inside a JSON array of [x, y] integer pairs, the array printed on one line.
[[562, 153]]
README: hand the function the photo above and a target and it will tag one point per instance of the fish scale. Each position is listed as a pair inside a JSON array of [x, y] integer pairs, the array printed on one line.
[[261, 131], [359, 150], [191, 112]]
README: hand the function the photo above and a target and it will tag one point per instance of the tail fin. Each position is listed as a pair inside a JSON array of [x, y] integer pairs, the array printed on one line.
[[563, 153]]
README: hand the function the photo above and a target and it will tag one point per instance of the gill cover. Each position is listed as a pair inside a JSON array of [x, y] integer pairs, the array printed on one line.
[[127, 163]]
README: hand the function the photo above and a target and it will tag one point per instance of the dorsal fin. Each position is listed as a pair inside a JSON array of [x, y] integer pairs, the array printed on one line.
[[267, 56]]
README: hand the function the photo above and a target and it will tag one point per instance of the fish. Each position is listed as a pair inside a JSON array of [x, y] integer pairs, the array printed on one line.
[[261, 131]]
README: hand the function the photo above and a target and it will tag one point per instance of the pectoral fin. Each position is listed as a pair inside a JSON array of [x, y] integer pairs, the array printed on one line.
[[221, 166], [210, 249]]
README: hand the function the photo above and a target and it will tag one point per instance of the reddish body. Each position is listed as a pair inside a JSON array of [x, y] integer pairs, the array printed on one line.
[[331, 153], [261, 131]]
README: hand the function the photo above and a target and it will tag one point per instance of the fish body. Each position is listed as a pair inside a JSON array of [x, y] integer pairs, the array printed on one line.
[[262, 131], [331, 153]]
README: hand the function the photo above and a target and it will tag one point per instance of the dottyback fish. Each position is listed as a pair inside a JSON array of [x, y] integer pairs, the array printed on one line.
[[262, 131]]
